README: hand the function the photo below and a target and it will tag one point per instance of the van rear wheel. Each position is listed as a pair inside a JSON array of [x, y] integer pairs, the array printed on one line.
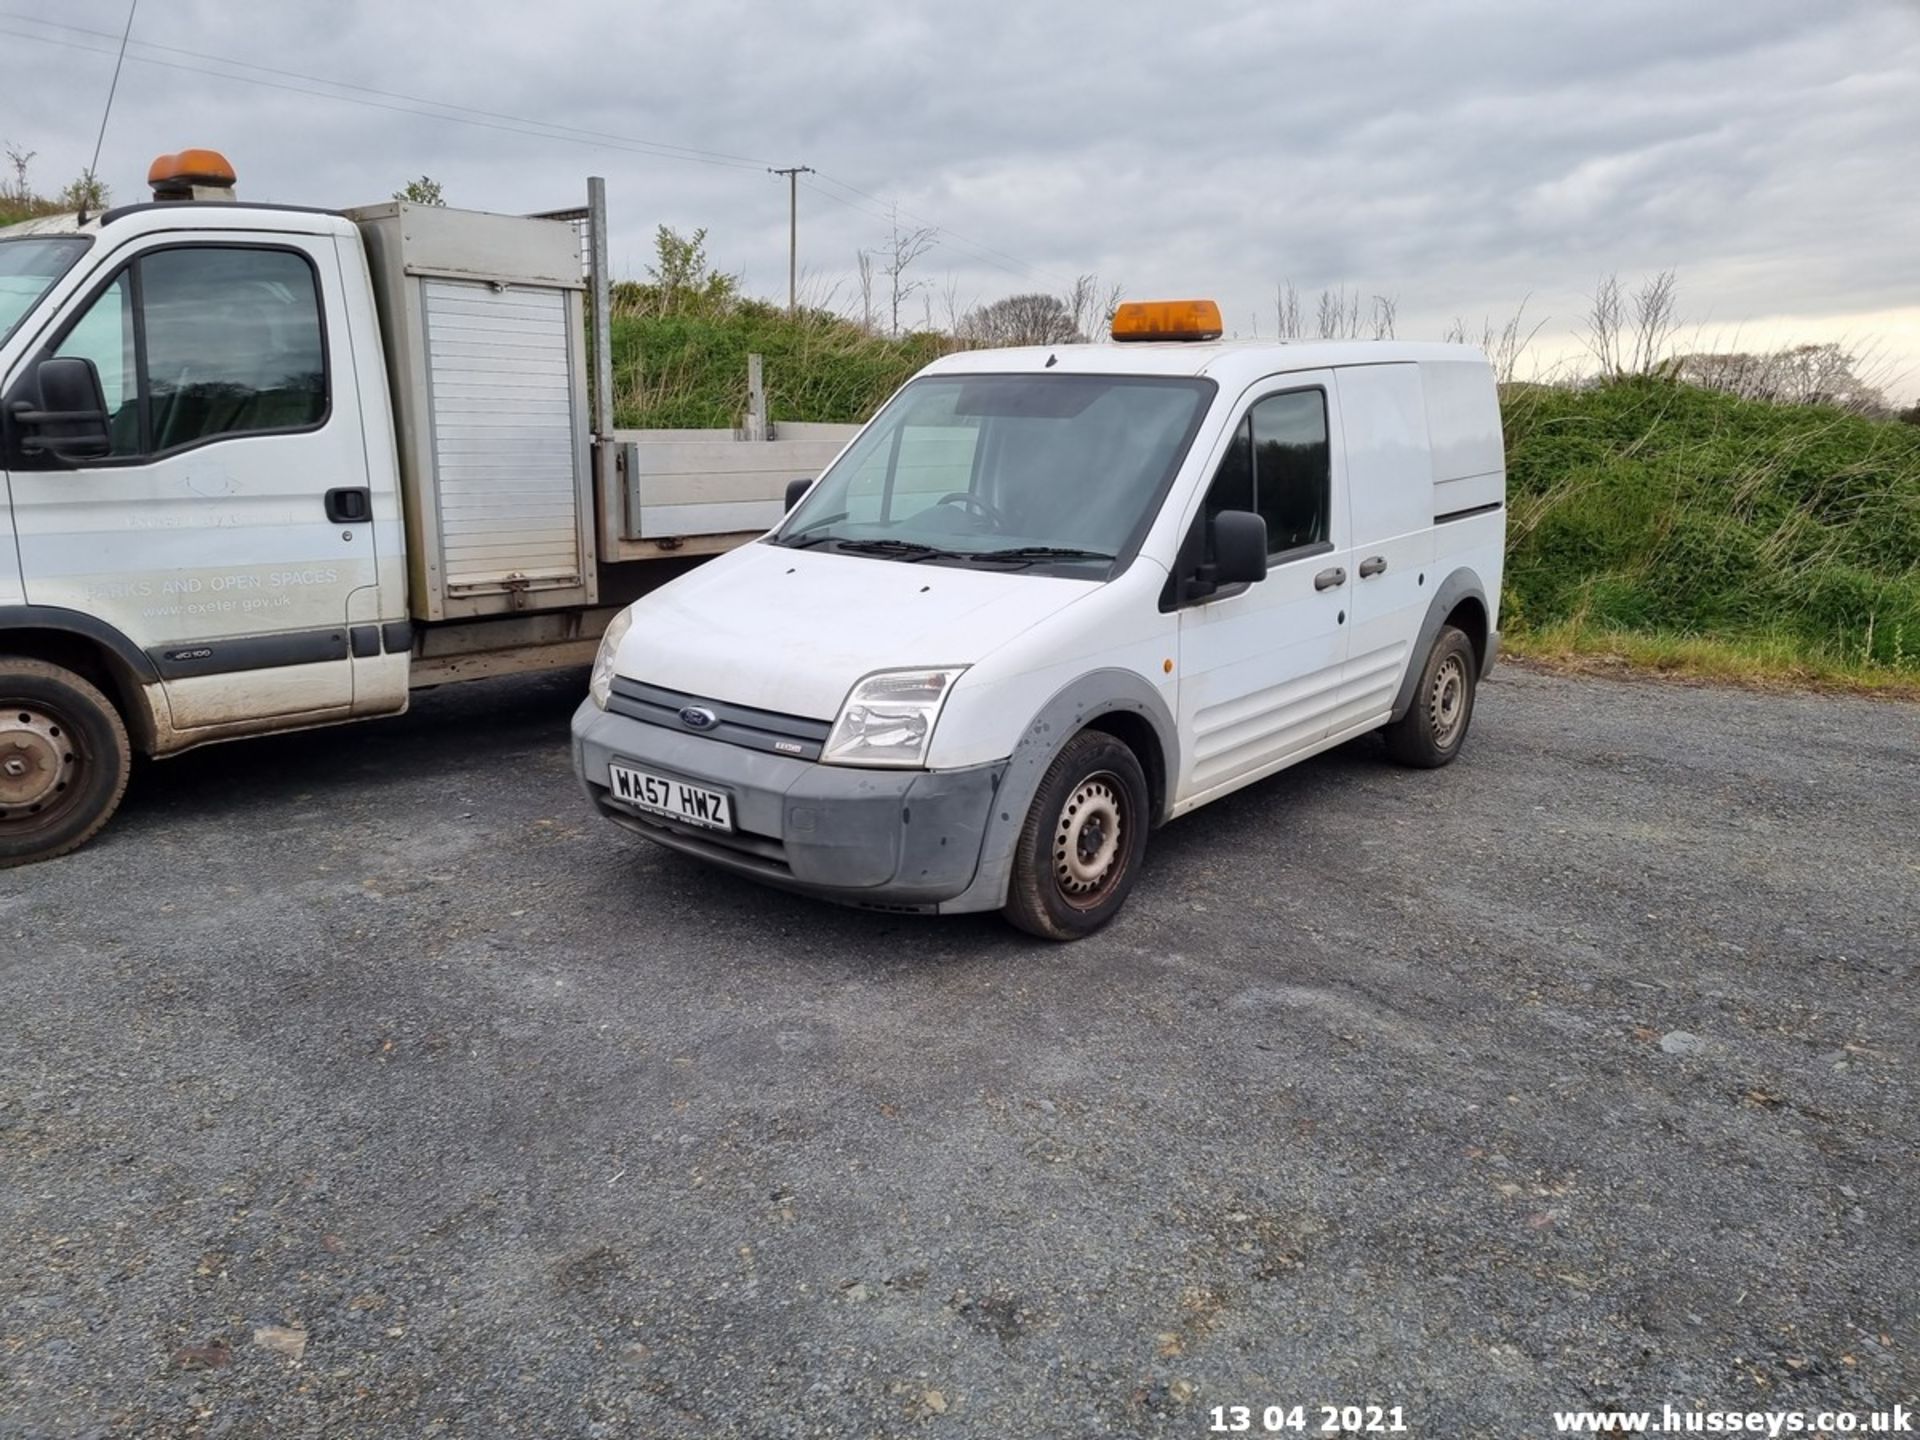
[[1083, 841], [64, 760], [1434, 728]]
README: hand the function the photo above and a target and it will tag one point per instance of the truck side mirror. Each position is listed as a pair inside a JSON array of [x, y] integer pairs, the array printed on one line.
[[797, 490], [1239, 548], [71, 418]]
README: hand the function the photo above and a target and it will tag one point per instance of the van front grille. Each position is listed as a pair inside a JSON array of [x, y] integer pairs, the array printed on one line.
[[794, 736]]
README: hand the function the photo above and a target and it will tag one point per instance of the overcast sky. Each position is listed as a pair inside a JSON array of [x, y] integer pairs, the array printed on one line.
[[1462, 158]]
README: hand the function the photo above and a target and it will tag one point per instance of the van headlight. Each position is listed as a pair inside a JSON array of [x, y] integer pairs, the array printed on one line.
[[600, 687], [889, 718]]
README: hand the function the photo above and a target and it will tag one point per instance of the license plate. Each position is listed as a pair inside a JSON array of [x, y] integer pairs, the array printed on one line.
[[675, 799]]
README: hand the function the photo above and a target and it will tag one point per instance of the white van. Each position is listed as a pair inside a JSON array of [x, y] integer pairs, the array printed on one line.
[[1051, 598]]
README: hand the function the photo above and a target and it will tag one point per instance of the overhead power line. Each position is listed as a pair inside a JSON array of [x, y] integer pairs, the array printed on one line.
[[397, 102], [383, 99]]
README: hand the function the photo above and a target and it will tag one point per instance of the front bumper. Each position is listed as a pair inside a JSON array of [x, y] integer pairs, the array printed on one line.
[[889, 839]]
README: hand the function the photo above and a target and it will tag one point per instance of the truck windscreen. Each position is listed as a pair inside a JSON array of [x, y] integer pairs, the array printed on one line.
[[28, 268], [1051, 473]]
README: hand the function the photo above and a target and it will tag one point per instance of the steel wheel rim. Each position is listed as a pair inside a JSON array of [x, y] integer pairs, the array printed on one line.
[[40, 765], [1447, 702], [1087, 837]]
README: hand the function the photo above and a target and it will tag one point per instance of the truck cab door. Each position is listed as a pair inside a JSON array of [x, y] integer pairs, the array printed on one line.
[[230, 524]]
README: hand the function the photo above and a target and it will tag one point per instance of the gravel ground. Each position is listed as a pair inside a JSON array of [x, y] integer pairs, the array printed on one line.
[[1580, 1073]]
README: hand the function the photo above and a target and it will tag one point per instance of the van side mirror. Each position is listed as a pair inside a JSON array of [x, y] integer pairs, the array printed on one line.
[[71, 419], [797, 490], [1239, 548]]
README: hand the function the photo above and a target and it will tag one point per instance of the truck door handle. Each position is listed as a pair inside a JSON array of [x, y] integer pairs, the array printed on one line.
[[1372, 565], [349, 505], [1328, 579]]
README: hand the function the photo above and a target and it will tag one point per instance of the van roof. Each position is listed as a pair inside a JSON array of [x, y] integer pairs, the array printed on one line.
[[1231, 362]]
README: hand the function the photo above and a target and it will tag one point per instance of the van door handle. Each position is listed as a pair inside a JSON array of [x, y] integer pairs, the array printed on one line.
[[1328, 579], [349, 505], [1372, 566]]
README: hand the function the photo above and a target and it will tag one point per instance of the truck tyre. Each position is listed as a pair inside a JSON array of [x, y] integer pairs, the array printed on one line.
[[64, 759], [1083, 842], [1432, 731]]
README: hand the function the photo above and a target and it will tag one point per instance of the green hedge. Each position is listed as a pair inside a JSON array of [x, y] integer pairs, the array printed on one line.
[[1649, 505]]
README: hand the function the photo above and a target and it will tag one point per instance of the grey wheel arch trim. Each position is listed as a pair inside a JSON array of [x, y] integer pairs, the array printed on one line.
[[78, 622], [1462, 584], [1071, 710]]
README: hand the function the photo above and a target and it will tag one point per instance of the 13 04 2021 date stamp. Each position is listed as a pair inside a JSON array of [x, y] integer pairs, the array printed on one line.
[[1308, 1420]]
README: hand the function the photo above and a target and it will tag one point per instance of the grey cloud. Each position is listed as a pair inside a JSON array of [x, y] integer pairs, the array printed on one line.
[[1459, 156]]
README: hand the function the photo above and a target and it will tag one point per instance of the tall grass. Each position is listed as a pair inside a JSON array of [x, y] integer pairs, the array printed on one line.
[[1649, 506]]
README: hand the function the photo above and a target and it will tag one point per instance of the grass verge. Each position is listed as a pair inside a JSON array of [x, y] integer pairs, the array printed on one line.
[[1773, 662]]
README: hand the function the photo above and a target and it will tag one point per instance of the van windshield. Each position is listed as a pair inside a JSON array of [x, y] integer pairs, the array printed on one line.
[[28, 268], [1051, 473]]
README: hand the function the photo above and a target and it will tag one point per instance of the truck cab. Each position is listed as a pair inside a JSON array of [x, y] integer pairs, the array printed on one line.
[[1052, 598], [266, 467]]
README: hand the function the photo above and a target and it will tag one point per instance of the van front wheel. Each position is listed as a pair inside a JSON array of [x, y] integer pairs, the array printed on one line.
[[1083, 842], [64, 760], [1432, 731]]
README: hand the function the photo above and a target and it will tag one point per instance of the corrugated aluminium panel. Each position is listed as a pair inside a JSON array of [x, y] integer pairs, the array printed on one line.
[[503, 434]]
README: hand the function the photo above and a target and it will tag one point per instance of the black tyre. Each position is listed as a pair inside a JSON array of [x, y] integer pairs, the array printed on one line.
[[1432, 731], [64, 759], [1083, 842]]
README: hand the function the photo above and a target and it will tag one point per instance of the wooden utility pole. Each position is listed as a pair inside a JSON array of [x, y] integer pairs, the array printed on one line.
[[793, 174]]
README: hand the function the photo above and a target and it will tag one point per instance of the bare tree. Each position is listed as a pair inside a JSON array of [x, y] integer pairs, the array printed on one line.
[[1606, 318], [1033, 319], [19, 159], [950, 303], [1336, 315], [905, 247], [1799, 375], [1080, 300], [1629, 336], [1286, 312], [1386, 310], [1653, 322], [1503, 347]]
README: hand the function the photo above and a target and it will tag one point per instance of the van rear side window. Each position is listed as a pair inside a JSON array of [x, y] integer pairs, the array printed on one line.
[[1278, 465]]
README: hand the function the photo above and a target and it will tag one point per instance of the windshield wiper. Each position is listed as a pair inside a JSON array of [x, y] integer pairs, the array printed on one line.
[[1040, 552], [898, 549]]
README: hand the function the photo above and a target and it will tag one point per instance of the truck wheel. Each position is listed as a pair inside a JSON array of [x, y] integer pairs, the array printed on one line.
[[1083, 842], [64, 759], [1430, 734]]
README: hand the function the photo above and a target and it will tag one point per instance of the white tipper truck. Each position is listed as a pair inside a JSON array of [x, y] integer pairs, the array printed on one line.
[[266, 467]]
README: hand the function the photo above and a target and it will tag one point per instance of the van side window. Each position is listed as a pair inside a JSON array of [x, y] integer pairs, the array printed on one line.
[[1291, 469], [196, 342], [1279, 466]]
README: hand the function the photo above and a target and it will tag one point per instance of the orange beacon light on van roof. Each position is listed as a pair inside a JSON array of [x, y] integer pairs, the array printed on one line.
[[1167, 320]]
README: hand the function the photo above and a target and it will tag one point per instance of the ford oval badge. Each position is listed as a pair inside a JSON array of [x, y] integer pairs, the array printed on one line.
[[694, 717]]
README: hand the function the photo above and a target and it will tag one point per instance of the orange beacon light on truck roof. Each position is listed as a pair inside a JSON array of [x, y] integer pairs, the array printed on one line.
[[189, 175], [1167, 320]]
